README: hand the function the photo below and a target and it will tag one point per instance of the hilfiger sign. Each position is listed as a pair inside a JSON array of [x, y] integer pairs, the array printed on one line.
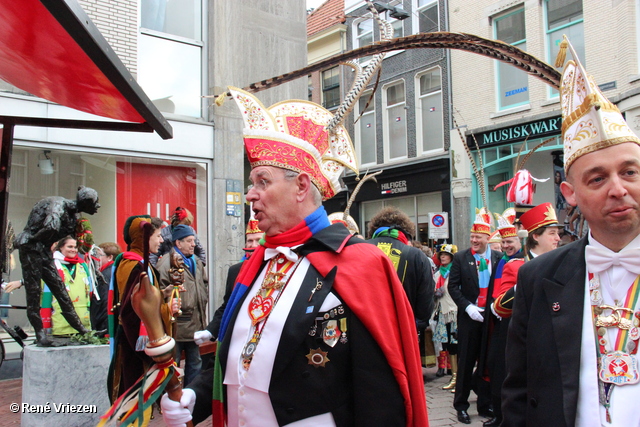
[[531, 130], [393, 187]]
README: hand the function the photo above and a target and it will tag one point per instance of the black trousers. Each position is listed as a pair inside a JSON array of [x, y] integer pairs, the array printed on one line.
[[469, 349]]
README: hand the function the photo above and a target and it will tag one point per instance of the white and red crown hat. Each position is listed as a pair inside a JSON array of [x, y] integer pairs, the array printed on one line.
[[292, 135], [482, 223]]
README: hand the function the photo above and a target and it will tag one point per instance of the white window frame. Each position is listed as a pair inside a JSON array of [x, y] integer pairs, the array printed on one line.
[[551, 96], [416, 15], [385, 122], [358, 133], [419, 124], [323, 90], [356, 37], [19, 172], [201, 44], [497, 64]]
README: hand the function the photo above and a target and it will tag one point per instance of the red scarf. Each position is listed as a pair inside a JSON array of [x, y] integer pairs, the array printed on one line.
[[74, 260], [106, 265]]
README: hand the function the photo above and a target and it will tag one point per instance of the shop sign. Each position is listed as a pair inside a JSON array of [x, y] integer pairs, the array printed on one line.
[[234, 197], [532, 130], [393, 187], [438, 225]]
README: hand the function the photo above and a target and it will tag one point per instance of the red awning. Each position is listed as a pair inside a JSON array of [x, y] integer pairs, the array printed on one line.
[[52, 49]]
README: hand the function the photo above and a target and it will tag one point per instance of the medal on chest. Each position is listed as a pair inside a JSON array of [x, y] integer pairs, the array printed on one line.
[[617, 334], [279, 272]]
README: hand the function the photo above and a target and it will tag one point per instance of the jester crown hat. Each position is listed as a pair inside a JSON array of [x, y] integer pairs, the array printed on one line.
[[292, 135], [482, 224], [539, 216], [505, 223], [590, 122]]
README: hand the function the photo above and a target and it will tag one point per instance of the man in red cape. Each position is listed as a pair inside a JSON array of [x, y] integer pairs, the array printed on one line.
[[318, 330]]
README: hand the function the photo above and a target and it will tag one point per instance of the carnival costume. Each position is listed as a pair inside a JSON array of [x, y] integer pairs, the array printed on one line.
[[578, 364], [129, 336], [75, 275], [445, 319], [336, 348]]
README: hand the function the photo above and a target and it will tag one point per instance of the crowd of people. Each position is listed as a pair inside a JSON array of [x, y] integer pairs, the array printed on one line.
[[321, 327]]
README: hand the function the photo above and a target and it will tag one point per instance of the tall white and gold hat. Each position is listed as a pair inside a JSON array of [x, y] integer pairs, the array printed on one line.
[[590, 122]]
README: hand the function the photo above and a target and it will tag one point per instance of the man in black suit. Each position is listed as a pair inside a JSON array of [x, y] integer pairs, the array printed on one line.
[[567, 364], [470, 280]]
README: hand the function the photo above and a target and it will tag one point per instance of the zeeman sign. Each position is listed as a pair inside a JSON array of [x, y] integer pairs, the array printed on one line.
[[508, 135]]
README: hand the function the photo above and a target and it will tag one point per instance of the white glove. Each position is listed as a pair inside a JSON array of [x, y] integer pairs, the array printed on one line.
[[475, 312], [493, 310], [201, 337], [178, 414]]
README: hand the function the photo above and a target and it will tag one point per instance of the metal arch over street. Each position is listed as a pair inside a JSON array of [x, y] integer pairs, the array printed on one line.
[[437, 40]]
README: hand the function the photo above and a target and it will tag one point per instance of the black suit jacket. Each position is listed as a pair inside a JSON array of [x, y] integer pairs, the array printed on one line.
[[414, 271], [353, 383], [214, 326], [463, 279], [544, 340]]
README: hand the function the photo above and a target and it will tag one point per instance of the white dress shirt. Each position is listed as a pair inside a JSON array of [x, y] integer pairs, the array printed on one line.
[[248, 402], [614, 284]]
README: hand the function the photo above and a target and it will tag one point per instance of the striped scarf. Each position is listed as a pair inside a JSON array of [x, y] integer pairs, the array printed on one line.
[[390, 232], [484, 276]]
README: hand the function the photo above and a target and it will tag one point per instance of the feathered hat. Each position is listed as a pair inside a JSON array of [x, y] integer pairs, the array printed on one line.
[[590, 122], [302, 136], [292, 135]]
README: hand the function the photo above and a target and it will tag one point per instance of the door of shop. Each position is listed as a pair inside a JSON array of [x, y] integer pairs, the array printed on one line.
[[156, 190]]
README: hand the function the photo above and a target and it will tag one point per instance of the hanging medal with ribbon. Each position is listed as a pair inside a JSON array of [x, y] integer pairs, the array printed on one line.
[[617, 360], [330, 332], [262, 304]]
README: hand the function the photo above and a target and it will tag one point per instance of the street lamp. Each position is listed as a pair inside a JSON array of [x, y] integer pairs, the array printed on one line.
[[394, 11]]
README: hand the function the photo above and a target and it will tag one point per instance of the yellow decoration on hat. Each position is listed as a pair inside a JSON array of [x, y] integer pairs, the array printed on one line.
[[590, 122], [448, 248], [482, 224], [505, 228], [495, 237]]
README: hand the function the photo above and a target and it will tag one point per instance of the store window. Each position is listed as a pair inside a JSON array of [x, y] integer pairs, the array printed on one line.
[[126, 186], [170, 50], [396, 121], [430, 117], [417, 209], [363, 35], [366, 130], [564, 17], [331, 88], [513, 83], [426, 19]]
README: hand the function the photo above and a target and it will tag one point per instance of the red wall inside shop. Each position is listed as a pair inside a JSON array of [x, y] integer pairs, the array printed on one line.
[[144, 189]]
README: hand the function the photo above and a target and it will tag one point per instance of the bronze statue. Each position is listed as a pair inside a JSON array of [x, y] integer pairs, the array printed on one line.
[[51, 219]]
